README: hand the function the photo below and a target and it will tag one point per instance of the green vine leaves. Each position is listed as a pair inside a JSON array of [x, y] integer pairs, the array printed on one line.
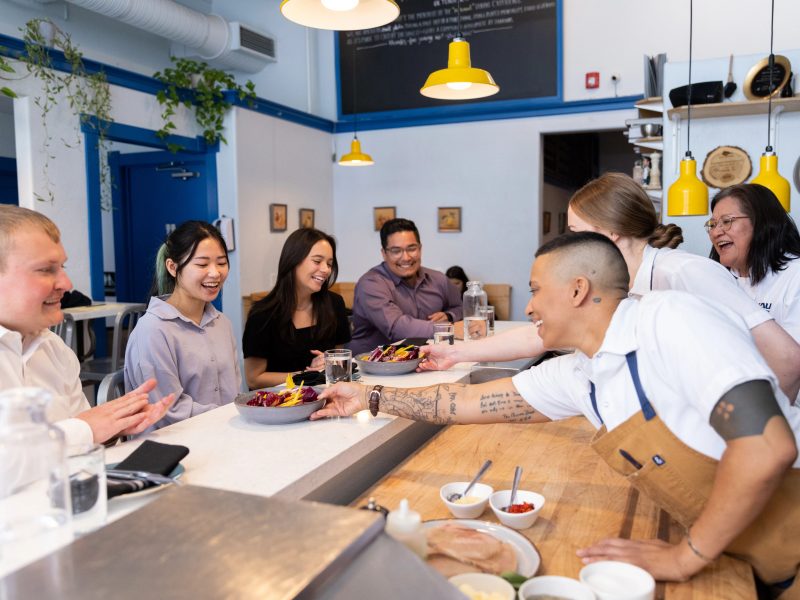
[[88, 94], [208, 98], [5, 70]]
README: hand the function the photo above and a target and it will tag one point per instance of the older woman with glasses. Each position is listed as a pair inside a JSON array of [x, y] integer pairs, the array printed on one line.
[[617, 207], [753, 237]]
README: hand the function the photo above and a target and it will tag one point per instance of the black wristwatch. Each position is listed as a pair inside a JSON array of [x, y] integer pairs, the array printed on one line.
[[375, 400]]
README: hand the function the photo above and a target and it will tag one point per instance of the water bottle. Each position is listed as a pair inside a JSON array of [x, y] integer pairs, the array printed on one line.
[[35, 508], [476, 325]]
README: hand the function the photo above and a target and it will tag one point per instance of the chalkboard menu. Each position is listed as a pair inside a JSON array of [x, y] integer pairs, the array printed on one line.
[[515, 40]]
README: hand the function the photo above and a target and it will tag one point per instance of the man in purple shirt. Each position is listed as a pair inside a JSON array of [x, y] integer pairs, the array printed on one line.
[[400, 298]]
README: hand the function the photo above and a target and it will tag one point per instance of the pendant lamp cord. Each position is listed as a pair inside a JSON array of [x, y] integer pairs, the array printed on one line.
[[355, 94], [771, 68], [460, 33], [689, 98]]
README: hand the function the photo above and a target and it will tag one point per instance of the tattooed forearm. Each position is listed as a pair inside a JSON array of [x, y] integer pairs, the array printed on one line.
[[435, 403], [506, 406], [745, 410]]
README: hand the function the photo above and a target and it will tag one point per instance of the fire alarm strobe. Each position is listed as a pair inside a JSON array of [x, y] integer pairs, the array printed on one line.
[[592, 80]]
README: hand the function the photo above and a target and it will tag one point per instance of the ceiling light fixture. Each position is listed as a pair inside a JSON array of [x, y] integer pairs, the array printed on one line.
[[355, 158], [460, 80], [341, 15], [688, 195], [768, 175]]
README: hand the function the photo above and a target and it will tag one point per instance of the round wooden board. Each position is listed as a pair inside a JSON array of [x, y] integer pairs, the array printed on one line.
[[726, 165]]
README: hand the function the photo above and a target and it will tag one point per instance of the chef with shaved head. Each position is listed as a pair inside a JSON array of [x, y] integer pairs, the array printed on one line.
[[684, 404]]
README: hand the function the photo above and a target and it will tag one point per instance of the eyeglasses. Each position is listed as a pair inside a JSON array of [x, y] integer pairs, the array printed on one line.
[[724, 223], [396, 252]]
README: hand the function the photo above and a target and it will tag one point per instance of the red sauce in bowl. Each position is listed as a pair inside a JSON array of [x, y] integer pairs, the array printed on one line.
[[522, 507]]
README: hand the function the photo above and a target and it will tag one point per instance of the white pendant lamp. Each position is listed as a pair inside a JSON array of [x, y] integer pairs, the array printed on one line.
[[768, 174], [688, 195], [460, 80], [355, 158], [340, 15]]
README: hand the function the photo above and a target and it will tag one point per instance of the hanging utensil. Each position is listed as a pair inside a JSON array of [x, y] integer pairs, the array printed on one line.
[[456, 496], [730, 86]]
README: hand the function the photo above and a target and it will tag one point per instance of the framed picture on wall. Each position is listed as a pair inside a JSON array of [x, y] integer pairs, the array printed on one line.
[[381, 214], [306, 218], [277, 217], [449, 219], [546, 216]]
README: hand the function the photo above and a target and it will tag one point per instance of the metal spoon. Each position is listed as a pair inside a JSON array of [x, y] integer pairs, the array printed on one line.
[[456, 496], [514, 486]]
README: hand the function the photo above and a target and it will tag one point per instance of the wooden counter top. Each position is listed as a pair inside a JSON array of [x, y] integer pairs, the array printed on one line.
[[585, 500]]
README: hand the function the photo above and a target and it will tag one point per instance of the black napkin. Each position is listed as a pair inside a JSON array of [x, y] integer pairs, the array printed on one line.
[[152, 457], [309, 378]]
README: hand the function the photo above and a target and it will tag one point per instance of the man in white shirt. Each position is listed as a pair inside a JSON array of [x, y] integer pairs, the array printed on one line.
[[32, 282], [687, 409]]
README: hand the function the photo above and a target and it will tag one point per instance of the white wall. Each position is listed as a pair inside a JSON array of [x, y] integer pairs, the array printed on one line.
[[747, 132], [492, 169], [7, 149]]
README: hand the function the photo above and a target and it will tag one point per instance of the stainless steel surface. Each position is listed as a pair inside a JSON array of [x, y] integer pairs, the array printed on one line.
[[198, 542], [456, 496], [484, 374], [515, 486]]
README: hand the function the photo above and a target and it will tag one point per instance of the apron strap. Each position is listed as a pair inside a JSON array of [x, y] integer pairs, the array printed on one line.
[[633, 367], [593, 397]]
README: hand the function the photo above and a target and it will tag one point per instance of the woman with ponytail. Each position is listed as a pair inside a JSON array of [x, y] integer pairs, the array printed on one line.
[[619, 208], [182, 340]]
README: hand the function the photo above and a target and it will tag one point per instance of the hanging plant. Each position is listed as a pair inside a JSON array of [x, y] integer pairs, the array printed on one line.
[[88, 94], [208, 98], [5, 70]]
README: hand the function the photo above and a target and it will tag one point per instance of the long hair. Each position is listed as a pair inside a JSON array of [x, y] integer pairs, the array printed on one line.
[[775, 238], [456, 272], [281, 302], [617, 203], [180, 246]]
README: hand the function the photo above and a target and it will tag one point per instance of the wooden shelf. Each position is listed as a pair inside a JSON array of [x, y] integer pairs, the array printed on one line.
[[654, 104], [654, 143], [735, 109]]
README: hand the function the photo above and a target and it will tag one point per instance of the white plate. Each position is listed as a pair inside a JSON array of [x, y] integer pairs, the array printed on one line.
[[175, 474], [528, 559]]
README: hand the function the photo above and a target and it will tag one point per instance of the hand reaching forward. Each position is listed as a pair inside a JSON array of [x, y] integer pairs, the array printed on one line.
[[344, 399], [127, 415], [318, 363], [438, 357]]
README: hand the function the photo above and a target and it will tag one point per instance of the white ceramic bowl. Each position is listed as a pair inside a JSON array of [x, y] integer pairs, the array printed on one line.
[[466, 511], [563, 587], [486, 583], [499, 500], [612, 580]]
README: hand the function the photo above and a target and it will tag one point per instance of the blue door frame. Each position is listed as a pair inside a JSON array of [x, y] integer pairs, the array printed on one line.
[[116, 132]]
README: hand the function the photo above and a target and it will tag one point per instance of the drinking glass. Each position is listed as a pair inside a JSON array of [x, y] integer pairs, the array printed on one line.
[[338, 366], [444, 333], [87, 484], [475, 328], [488, 312]]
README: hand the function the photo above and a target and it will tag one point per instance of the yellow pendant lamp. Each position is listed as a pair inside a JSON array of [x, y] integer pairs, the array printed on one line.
[[340, 15], [768, 174], [688, 195], [460, 80], [356, 158]]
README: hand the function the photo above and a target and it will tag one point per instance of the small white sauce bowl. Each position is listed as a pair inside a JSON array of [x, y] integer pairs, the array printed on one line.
[[466, 511], [499, 500]]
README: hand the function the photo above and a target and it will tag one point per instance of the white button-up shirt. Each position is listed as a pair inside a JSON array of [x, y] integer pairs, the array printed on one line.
[[46, 362], [689, 354]]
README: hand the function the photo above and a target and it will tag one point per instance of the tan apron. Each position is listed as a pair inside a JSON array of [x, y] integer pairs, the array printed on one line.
[[679, 479]]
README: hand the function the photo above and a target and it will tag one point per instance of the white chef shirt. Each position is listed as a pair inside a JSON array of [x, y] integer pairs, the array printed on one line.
[[45, 361], [689, 355], [779, 294], [668, 269]]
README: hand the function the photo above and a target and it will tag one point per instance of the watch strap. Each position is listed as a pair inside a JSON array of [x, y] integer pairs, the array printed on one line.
[[375, 400]]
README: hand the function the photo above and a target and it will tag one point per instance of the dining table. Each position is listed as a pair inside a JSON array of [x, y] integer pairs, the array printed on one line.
[[585, 501]]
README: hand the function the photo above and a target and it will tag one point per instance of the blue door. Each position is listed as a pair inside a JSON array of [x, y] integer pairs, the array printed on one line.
[[153, 193], [8, 181]]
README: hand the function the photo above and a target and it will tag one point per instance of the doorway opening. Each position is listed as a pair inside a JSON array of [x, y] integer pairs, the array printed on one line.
[[9, 189]]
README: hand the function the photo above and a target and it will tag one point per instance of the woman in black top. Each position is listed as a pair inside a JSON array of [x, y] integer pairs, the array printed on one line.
[[289, 330]]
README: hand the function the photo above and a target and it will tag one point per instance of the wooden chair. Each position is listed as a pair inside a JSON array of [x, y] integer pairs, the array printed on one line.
[[499, 295], [346, 289]]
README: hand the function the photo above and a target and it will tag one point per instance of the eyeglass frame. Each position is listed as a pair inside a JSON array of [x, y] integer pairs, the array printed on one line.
[[396, 252], [721, 223]]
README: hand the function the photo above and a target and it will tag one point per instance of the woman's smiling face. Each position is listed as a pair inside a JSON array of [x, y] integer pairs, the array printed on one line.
[[732, 245]]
